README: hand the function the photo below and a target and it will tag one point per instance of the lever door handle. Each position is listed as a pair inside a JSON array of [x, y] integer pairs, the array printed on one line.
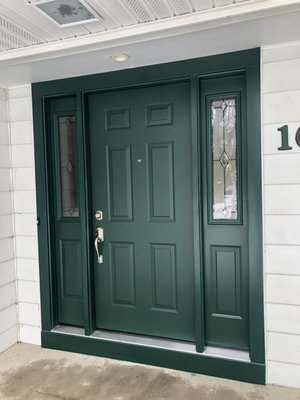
[[99, 242]]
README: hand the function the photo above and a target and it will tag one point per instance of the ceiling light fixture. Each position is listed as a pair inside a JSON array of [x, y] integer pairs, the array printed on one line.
[[120, 57], [66, 12]]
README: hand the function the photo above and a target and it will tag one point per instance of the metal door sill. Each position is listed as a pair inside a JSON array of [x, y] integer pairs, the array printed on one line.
[[224, 352], [155, 342], [148, 341]]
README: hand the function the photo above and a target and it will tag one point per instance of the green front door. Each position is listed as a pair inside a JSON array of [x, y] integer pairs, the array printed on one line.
[[140, 145]]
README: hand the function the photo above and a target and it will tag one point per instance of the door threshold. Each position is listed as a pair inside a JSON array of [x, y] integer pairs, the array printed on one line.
[[148, 341], [155, 342]]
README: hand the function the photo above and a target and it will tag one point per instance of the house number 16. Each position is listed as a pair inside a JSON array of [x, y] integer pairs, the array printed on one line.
[[284, 130]]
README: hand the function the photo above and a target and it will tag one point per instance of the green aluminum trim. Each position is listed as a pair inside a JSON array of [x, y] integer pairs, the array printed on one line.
[[42, 184], [197, 217], [190, 362], [85, 196], [211, 65], [256, 311]]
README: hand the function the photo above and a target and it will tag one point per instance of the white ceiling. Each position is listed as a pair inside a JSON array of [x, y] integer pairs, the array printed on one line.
[[41, 50], [23, 24]]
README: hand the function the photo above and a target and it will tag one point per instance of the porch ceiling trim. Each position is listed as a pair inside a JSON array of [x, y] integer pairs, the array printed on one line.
[[176, 26]]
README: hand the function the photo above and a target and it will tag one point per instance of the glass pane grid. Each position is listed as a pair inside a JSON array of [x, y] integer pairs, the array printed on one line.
[[224, 154]]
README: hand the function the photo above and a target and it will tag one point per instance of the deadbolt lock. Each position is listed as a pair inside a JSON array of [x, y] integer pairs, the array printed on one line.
[[99, 215]]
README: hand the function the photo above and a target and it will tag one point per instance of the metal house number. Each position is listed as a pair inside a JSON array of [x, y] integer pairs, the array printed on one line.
[[284, 130]]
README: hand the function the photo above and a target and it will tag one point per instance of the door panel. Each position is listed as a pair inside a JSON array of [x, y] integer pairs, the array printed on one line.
[[225, 217], [163, 277], [71, 274], [226, 281], [119, 183], [141, 180], [123, 273], [161, 179]]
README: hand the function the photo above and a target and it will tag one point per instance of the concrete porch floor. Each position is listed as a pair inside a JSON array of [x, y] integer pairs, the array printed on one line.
[[29, 372]]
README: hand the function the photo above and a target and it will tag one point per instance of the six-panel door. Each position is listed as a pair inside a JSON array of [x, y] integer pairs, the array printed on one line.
[[140, 142]]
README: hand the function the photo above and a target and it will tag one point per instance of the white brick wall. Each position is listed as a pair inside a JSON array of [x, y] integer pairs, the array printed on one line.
[[24, 213], [8, 306], [280, 101]]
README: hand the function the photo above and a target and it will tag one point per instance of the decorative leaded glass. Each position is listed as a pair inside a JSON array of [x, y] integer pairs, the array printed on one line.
[[224, 176], [68, 166]]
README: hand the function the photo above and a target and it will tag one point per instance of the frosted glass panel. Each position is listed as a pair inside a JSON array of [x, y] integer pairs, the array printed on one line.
[[68, 166], [223, 122]]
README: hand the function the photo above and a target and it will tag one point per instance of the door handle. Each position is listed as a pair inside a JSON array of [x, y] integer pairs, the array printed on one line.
[[99, 242]]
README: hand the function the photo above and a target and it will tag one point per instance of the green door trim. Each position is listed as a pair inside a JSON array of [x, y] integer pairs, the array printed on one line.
[[256, 304], [197, 196], [244, 62]]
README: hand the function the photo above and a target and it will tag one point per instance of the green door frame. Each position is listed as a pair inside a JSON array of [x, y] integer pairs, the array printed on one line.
[[244, 62]]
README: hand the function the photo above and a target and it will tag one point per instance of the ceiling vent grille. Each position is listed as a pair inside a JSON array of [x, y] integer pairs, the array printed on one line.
[[161, 9], [139, 10], [13, 36], [181, 7]]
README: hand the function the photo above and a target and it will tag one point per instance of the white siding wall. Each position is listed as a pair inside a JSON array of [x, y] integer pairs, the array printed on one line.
[[24, 213], [281, 106], [8, 307]]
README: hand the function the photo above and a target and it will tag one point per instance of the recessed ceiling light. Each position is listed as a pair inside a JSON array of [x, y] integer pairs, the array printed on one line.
[[66, 12], [120, 57]]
